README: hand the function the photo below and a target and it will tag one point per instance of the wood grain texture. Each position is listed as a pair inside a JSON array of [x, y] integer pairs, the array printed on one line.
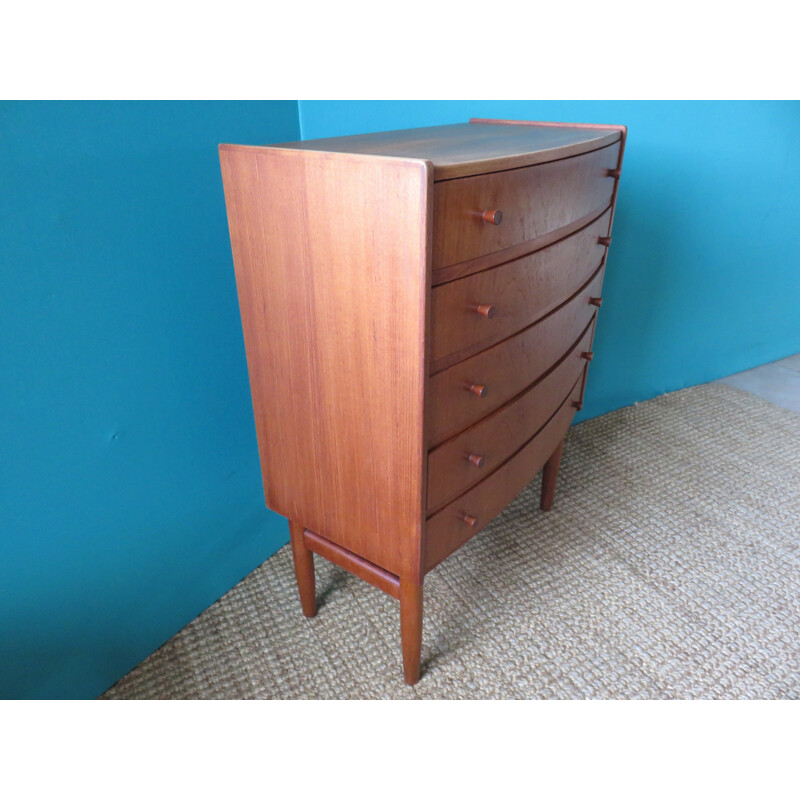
[[534, 200], [446, 530], [496, 437], [622, 130], [466, 149], [490, 260], [360, 567], [331, 255], [506, 368], [519, 293]]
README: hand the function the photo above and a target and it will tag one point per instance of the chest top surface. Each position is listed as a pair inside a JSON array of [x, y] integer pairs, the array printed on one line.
[[472, 148]]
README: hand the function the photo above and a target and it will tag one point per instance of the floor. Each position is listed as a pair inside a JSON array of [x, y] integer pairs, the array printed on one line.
[[778, 382], [669, 567]]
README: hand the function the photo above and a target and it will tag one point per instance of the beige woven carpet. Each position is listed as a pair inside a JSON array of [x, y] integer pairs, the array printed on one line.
[[669, 567]]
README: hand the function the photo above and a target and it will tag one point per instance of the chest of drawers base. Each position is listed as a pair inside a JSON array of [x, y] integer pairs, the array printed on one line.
[[409, 299]]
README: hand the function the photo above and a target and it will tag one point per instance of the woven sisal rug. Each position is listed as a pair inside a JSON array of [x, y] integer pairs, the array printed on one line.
[[669, 567]]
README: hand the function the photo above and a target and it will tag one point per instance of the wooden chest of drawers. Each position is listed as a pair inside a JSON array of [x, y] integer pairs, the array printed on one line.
[[418, 310]]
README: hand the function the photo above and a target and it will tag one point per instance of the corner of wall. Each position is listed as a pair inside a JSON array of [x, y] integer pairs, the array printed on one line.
[[301, 119]]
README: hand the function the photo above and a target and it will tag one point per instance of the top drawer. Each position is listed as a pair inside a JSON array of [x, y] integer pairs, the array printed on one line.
[[534, 201]]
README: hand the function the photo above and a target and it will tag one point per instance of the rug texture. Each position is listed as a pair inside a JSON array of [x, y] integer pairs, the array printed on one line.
[[669, 567]]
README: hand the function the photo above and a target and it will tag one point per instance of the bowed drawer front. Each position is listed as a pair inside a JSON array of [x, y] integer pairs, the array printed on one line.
[[488, 213], [471, 389], [463, 518], [473, 313], [473, 454], [418, 310]]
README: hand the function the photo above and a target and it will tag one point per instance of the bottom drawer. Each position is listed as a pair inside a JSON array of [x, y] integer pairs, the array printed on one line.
[[459, 521]]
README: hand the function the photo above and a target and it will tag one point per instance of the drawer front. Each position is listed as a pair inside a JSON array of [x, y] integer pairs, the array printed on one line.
[[534, 201], [475, 312], [462, 462], [462, 394], [459, 521]]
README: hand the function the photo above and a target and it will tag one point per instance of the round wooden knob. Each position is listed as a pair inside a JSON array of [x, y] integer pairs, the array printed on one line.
[[613, 173], [596, 301], [475, 460], [477, 389], [577, 405], [470, 520], [485, 311], [588, 355], [604, 240], [492, 217]]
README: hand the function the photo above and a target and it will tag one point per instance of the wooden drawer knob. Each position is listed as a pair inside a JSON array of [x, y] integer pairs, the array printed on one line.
[[492, 217], [477, 389], [577, 405], [471, 521], [604, 240], [475, 460], [588, 355], [596, 301], [613, 173], [485, 311]]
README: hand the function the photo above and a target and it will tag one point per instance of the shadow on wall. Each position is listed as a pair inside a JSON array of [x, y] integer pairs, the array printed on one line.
[[640, 273]]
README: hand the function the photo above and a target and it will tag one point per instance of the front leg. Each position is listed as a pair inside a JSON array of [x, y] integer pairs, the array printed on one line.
[[411, 628], [303, 569], [549, 477]]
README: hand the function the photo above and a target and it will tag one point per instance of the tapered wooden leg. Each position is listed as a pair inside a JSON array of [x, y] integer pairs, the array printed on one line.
[[411, 628], [303, 569], [550, 476]]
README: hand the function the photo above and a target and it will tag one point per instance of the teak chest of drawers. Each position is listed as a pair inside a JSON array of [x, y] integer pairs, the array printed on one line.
[[418, 310]]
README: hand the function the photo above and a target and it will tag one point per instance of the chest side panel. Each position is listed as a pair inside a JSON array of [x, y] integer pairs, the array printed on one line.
[[330, 253]]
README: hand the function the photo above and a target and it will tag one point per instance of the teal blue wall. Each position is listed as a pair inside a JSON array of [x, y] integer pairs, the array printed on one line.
[[703, 277], [130, 493]]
